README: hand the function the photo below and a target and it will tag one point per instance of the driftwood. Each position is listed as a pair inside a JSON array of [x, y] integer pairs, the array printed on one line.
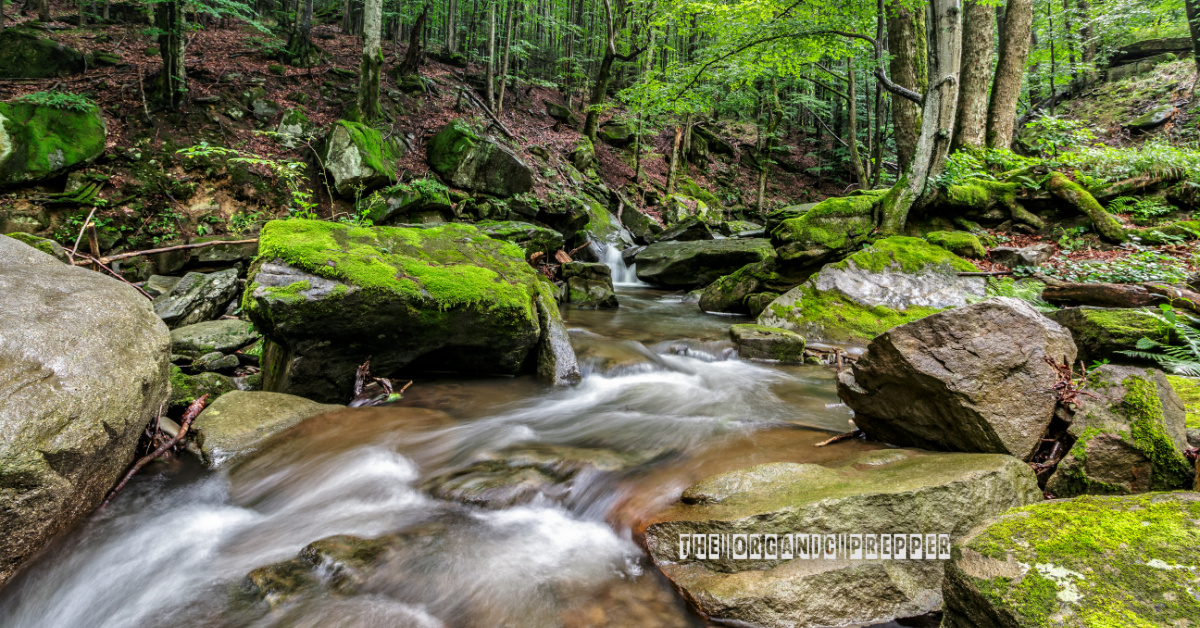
[[177, 247], [190, 415], [1119, 295]]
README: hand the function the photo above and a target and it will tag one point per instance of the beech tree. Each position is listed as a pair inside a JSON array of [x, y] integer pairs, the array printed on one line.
[[372, 61]]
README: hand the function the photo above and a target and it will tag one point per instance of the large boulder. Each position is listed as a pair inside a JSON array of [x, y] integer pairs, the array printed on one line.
[[1089, 561], [329, 296], [1188, 389], [589, 285], [197, 297], [883, 492], [530, 237], [1130, 432], [973, 379], [616, 133], [224, 335], [732, 293], [359, 159], [83, 371], [894, 281], [829, 229], [24, 54], [41, 142], [409, 202], [1101, 333], [755, 342], [239, 422], [467, 159], [697, 263]]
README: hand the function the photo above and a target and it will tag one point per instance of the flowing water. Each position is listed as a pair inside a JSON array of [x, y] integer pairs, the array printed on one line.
[[663, 395], [622, 275]]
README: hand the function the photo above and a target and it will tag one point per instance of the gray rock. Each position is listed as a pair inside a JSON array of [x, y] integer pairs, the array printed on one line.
[[358, 158], [42, 142], [1101, 333], [616, 134], [224, 253], [756, 342], [556, 361], [560, 113], [158, 285], [875, 492], [528, 236], [971, 379], [238, 422], [264, 110], [83, 370], [24, 53], [1029, 256], [642, 227], [467, 159], [1193, 437], [776, 217], [187, 388], [589, 285], [698, 263], [1153, 118], [686, 230], [215, 361], [197, 297], [225, 336], [45, 245], [1129, 433]]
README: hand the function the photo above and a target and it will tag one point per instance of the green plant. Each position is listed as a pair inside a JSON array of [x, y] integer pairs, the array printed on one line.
[[1136, 268], [1143, 210], [1048, 135], [1028, 290], [58, 100], [1071, 239], [1183, 358], [240, 223], [290, 172]]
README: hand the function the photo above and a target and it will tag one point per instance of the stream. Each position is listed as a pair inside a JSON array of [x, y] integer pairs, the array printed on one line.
[[663, 391]]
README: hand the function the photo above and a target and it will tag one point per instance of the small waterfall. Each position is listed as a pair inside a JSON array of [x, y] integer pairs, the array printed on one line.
[[622, 275]]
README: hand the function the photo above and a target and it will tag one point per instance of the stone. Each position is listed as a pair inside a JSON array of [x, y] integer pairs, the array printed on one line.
[[1030, 256], [698, 263], [530, 237], [412, 85], [26, 54], [358, 158], [1149, 48], [557, 364], [775, 217], [874, 492], [158, 285], [39, 142], [1102, 333], [197, 297], [561, 113], [741, 229], [83, 371], [894, 281], [602, 226], [1130, 432], [583, 155], [187, 388], [264, 110], [467, 159], [214, 362], [328, 296], [238, 422], [960, 243], [756, 342], [1127, 561], [731, 294], [589, 285], [617, 134], [405, 202], [295, 128], [224, 253], [971, 379], [830, 229], [1188, 389], [686, 230], [1153, 118], [641, 227], [45, 245], [716, 143], [171, 262]]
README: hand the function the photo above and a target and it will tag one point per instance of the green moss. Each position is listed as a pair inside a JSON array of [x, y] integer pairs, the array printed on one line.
[[1188, 390], [980, 193], [187, 388], [694, 190], [834, 223], [958, 242], [1148, 430], [908, 254], [831, 317], [1120, 556], [376, 153], [451, 145], [44, 140]]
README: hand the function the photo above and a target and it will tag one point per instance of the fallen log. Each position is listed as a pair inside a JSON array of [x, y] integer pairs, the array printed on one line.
[[1099, 295], [165, 249]]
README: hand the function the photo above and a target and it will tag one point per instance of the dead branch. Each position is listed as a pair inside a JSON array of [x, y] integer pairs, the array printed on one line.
[[193, 411], [840, 437], [178, 247]]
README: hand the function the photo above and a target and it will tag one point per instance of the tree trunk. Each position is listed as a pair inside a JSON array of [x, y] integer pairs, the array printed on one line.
[[300, 49], [671, 168], [908, 68], [451, 25], [860, 173], [412, 57], [979, 33], [173, 83], [491, 60], [508, 31], [937, 120], [43, 10], [1010, 68], [372, 62], [1193, 17]]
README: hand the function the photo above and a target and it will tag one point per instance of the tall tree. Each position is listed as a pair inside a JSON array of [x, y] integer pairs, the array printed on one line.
[[908, 68], [300, 49], [979, 34], [1010, 69], [591, 125], [1192, 8], [169, 22], [372, 62]]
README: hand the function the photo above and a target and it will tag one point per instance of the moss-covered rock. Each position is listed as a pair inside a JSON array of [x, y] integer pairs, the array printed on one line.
[[756, 342], [1188, 389], [642, 227], [359, 159], [1102, 333], [1085, 562], [875, 492], [40, 142], [220, 335], [530, 237], [197, 297], [561, 113], [831, 228], [45, 245], [775, 217], [239, 422], [698, 263], [589, 285], [187, 388], [405, 202], [294, 128], [26, 54], [616, 134], [1130, 433], [730, 293], [961, 243], [894, 281], [469, 160], [601, 226], [328, 296]]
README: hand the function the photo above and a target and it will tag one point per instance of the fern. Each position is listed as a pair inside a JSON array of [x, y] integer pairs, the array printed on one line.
[[1182, 359], [1027, 290]]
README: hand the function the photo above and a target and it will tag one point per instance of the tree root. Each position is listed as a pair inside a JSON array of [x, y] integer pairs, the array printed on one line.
[[1106, 225]]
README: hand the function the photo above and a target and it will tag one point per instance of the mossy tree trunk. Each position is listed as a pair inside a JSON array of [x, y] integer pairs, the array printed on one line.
[[1010, 69], [170, 23], [1193, 17], [979, 34], [300, 49], [1070, 191], [908, 68], [775, 116], [412, 57], [372, 62]]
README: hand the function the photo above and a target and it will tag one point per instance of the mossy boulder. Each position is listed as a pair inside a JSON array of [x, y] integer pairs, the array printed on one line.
[[222, 335], [40, 142], [589, 285], [829, 229], [894, 281], [530, 237], [756, 342], [617, 134], [445, 298], [240, 422], [294, 128], [1130, 433], [84, 371], [641, 227], [874, 492], [1153, 118], [405, 202], [561, 113], [602, 226], [730, 294], [961, 243], [26, 54], [467, 159], [689, 229], [187, 388], [1188, 389], [697, 263], [775, 217], [1102, 333], [1084, 562], [583, 155], [197, 297], [45, 245], [359, 159], [972, 379], [740, 229]]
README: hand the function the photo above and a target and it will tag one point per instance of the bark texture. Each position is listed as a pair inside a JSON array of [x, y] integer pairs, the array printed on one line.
[[979, 34], [908, 68], [372, 62], [1010, 68]]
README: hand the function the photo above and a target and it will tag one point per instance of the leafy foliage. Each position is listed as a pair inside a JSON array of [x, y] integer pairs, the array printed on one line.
[[291, 173], [1183, 358], [1137, 268], [1144, 210], [58, 100]]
